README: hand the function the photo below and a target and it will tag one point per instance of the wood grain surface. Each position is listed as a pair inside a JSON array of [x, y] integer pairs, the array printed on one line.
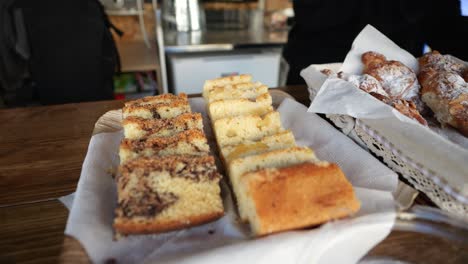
[[41, 154], [32, 232], [42, 149]]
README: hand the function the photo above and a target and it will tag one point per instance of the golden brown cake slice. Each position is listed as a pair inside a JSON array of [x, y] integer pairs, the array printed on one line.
[[235, 130], [272, 159], [235, 107], [159, 99], [166, 193], [223, 81], [284, 139], [189, 142], [157, 111], [138, 128], [298, 196], [236, 91]]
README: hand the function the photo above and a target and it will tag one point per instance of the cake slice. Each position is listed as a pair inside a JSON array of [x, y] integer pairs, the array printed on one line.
[[138, 128], [236, 91], [302, 195], [157, 111], [272, 159], [235, 107], [281, 140], [223, 81], [235, 130], [167, 193], [159, 99], [189, 142]]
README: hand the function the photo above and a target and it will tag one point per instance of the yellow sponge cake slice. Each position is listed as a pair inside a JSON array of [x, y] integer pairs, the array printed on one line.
[[284, 139], [236, 91], [167, 193], [138, 128], [223, 81], [190, 142], [298, 196], [235, 107], [272, 159], [235, 130]]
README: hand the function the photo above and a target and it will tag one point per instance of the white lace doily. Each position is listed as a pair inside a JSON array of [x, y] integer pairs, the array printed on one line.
[[363, 135]]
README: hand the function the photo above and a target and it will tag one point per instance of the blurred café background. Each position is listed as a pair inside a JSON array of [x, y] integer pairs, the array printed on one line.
[[62, 51]]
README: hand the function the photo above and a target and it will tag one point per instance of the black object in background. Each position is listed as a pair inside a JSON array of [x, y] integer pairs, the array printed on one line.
[[73, 56], [14, 55], [324, 29]]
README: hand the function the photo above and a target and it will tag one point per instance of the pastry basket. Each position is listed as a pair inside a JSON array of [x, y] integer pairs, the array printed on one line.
[[420, 177]]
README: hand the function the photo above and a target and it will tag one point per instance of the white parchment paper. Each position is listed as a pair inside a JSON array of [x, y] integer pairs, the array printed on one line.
[[226, 240], [442, 152]]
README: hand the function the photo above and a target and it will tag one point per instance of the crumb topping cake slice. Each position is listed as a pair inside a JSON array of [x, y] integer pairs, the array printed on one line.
[[157, 111], [167, 180], [139, 128], [190, 142], [159, 99]]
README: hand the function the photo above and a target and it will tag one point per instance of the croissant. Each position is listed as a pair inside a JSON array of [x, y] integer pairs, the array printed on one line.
[[372, 86], [399, 81], [446, 93], [441, 62]]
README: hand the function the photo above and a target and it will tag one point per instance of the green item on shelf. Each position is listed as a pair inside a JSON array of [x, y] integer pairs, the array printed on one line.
[[125, 83]]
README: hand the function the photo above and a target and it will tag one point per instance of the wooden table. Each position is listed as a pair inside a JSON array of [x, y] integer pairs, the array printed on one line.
[[41, 153]]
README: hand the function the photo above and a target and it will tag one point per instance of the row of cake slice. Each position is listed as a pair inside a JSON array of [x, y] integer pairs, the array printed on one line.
[[167, 177], [278, 185]]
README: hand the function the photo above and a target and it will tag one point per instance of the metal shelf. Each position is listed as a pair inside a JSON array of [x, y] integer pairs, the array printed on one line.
[[124, 12]]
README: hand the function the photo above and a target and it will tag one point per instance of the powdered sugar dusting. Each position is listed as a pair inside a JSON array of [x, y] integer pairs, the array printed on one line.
[[451, 85], [368, 84], [399, 81], [443, 63]]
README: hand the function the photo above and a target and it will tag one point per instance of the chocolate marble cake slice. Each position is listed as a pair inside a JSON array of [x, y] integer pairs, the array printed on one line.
[[138, 128], [158, 99], [158, 110], [166, 193], [189, 142]]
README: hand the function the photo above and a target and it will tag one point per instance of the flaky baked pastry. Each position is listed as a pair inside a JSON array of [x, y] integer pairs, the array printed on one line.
[[465, 75], [399, 81], [441, 62], [371, 85], [446, 93]]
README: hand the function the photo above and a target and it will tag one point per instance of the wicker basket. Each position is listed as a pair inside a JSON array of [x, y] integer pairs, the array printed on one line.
[[420, 178], [370, 139]]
